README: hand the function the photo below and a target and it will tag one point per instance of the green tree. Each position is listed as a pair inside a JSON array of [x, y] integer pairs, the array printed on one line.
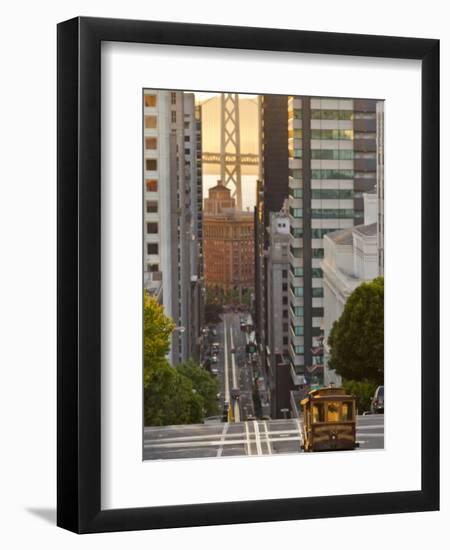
[[157, 330], [356, 339], [169, 398], [362, 391], [205, 385]]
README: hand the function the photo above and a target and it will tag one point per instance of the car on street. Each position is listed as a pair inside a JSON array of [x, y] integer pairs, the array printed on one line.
[[212, 420], [214, 371], [214, 359], [226, 406], [235, 393], [377, 403]]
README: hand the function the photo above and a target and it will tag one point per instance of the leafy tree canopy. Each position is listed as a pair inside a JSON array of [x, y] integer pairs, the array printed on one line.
[[356, 339], [205, 385]]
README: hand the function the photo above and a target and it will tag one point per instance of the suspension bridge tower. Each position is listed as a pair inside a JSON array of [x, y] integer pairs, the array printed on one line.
[[230, 146]]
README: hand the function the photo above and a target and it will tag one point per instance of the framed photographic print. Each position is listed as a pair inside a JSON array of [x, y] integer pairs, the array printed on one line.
[[231, 203]]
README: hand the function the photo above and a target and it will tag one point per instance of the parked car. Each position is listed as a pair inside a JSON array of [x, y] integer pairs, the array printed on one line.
[[377, 403]]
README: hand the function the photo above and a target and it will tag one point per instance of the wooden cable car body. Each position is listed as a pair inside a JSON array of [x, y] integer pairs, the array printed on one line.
[[329, 420]]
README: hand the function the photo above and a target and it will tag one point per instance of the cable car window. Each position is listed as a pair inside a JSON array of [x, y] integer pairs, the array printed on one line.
[[347, 411], [333, 411], [318, 412]]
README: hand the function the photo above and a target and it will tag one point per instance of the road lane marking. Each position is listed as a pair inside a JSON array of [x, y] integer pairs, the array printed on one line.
[[257, 438], [219, 442], [237, 412], [225, 354], [269, 449], [224, 431], [247, 433]]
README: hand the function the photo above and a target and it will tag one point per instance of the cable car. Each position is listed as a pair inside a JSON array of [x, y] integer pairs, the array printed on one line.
[[329, 422]]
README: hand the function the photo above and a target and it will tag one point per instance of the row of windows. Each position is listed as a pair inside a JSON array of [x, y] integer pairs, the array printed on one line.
[[317, 253], [299, 350], [297, 291], [317, 272], [298, 330], [331, 174], [332, 154], [296, 173], [296, 212], [297, 271], [297, 232], [332, 193], [296, 193], [332, 213], [331, 134], [296, 252], [331, 114], [298, 311]]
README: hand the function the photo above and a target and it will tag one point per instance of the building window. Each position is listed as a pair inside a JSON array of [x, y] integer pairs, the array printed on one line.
[[298, 311], [331, 114], [297, 271], [285, 300], [152, 268], [331, 175], [317, 292], [296, 173], [173, 116], [296, 193], [297, 291], [284, 273], [332, 213], [173, 98], [296, 252], [332, 154], [151, 165], [296, 212], [152, 248], [297, 232], [298, 330], [152, 228], [285, 327], [152, 207], [150, 100], [332, 134], [318, 253], [285, 313], [317, 272], [285, 287], [285, 340], [299, 350], [151, 143], [151, 185], [150, 121], [332, 193]]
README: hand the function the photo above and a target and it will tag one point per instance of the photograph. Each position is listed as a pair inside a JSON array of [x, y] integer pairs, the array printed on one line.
[[263, 274]]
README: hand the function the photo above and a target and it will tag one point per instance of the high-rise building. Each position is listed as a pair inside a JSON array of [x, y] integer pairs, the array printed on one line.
[[380, 184], [169, 214], [277, 310], [272, 190], [332, 163], [228, 243]]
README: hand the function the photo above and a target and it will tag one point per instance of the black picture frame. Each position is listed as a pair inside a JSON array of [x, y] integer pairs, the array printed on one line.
[[79, 276]]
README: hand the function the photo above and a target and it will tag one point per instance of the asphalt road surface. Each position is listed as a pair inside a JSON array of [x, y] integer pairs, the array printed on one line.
[[251, 438]]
